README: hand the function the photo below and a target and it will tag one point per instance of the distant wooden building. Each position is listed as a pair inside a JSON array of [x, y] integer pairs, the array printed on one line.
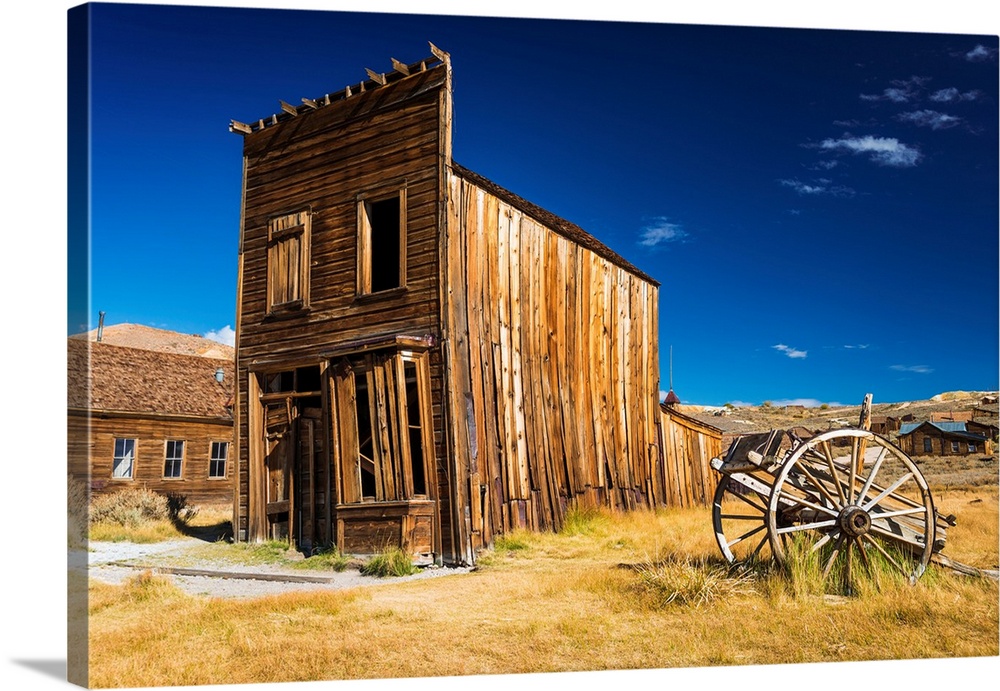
[[426, 359], [148, 418], [951, 416], [885, 425], [689, 445], [944, 439]]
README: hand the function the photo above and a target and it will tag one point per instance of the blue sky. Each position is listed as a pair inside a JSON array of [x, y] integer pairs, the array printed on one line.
[[819, 206]]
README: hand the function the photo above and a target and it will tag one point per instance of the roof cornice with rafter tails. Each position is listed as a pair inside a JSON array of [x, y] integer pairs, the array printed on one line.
[[376, 80]]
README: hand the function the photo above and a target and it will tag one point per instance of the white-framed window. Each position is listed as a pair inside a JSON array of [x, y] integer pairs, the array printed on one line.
[[217, 459], [972, 447], [123, 465], [954, 447], [381, 241], [174, 458]]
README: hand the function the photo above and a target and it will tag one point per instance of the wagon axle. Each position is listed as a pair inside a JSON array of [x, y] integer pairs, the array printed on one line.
[[854, 521]]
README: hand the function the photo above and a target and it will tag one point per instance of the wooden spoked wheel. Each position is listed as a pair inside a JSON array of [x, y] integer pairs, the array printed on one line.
[[856, 503], [738, 516]]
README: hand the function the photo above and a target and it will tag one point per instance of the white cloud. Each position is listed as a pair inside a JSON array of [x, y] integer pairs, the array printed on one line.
[[951, 94], [858, 347], [803, 187], [661, 232], [887, 151], [929, 118], [790, 352], [917, 369], [901, 91], [898, 95], [225, 335], [980, 54], [817, 187]]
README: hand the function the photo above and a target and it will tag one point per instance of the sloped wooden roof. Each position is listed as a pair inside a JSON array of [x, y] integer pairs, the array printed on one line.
[[138, 380]]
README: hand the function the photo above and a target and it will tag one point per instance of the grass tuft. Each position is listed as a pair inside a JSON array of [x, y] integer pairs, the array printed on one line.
[[326, 559], [584, 521], [684, 580], [390, 562]]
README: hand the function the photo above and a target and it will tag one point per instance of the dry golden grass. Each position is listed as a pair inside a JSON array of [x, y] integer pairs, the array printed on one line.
[[208, 522], [595, 598]]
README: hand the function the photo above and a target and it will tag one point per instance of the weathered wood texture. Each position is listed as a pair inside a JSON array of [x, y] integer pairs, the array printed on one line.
[[92, 460], [328, 161], [689, 446], [555, 388], [540, 362]]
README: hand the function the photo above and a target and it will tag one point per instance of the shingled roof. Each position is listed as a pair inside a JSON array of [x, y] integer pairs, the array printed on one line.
[[138, 380]]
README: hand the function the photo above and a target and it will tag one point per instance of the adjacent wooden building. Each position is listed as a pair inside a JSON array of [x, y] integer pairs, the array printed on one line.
[[424, 358], [153, 409]]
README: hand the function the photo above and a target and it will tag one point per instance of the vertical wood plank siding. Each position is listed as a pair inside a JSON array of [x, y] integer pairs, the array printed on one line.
[[688, 447], [561, 375]]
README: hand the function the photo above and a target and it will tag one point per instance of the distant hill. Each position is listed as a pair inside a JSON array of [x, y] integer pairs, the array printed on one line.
[[747, 419]]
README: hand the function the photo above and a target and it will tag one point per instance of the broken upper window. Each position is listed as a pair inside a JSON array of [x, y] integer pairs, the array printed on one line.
[[288, 261], [382, 242]]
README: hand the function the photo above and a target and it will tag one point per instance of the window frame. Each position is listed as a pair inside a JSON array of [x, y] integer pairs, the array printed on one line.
[[283, 229], [115, 459], [364, 268], [394, 418], [213, 460], [928, 444], [169, 460]]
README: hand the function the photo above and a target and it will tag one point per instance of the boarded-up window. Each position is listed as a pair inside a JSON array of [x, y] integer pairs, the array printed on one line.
[[382, 242], [288, 261]]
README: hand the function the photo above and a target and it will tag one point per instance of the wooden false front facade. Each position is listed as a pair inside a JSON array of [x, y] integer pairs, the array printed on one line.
[[425, 359]]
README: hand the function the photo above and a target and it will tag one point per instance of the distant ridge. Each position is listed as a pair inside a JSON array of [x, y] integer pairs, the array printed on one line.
[[160, 340]]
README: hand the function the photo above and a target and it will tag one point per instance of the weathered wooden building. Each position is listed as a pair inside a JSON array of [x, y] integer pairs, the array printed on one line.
[[153, 414], [688, 446], [945, 439], [424, 358]]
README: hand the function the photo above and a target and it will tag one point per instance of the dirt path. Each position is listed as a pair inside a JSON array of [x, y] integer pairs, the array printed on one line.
[[115, 562]]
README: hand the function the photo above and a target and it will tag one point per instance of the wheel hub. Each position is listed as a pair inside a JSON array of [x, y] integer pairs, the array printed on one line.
[[854, 521]]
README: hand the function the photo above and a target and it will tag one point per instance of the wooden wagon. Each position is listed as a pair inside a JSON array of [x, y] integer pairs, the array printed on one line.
[[849, 497]]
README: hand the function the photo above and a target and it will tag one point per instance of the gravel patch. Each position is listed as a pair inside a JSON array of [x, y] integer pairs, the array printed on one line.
[[115, 562]]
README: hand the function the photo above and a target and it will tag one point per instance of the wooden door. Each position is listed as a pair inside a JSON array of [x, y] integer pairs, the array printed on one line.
[[308, 478], [278, 463]]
